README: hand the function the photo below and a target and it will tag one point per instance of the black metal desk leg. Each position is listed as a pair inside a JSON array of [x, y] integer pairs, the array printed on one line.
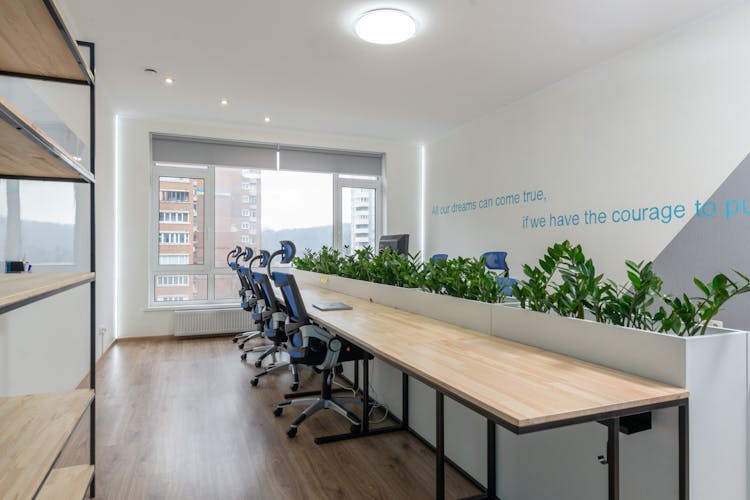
[[613, 457], [491, 460], [684, 452], [365, 395], [439, 447]]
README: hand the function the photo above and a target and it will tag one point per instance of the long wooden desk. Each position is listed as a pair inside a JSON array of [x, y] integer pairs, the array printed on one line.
[[521, 388]]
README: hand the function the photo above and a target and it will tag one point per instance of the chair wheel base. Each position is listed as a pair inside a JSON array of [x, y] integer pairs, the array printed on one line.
[[291, 432], [254, 382], [243, 356], [277, 412]]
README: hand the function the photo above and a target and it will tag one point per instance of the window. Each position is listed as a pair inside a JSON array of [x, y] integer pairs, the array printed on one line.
[[180, 288], [358, 213], [181, 201], [175, 259], [45, 223], [172, 280], [172, 298], [175, 196], [174, 238], [181, 217], [228, 206]]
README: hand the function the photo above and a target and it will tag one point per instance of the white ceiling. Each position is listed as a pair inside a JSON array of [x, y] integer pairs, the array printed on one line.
[[299, 62]]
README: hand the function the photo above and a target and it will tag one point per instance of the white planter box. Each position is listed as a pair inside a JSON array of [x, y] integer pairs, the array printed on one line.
[[714, 368]]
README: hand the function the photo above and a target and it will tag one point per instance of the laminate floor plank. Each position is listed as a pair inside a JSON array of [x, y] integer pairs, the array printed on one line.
[[178, 419]]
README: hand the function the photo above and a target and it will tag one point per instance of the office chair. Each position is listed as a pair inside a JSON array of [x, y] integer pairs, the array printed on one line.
[[254, 303], [245, 291], [439, 256], [497, 261], [311, 345], [273, 319]]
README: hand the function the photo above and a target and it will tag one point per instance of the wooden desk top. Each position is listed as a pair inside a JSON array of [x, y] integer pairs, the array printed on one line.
[[521, 385]]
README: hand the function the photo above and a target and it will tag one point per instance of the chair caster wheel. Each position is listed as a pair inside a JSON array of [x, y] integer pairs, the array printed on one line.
[[254, 382], [277, 412], [294, 387], [291, 432], [241, 346], [235, 340], [317, 370], [355, 429], [258, 363], [243, 356]]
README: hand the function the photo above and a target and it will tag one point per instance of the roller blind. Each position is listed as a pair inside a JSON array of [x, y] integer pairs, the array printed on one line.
[[176, 149], [339, 162]]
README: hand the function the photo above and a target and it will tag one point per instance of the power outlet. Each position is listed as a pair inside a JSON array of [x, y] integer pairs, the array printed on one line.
[[102, 330]]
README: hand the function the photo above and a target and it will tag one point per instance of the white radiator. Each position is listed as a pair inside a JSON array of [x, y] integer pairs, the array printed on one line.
[[212, 322]]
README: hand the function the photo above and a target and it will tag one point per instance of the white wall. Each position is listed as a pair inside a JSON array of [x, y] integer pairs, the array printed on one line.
[[663, 123], [401, 204]]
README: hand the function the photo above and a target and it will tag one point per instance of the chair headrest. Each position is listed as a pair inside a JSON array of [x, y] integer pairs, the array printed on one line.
[[248, 253], [439, 256], [495, 260], [265, 255], [288, 251]]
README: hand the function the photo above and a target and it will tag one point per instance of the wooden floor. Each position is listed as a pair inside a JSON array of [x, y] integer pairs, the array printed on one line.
[[177, 419]]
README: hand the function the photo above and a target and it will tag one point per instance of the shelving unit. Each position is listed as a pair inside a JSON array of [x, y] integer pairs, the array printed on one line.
[[36, 43], [17, 290], [34, 430], [26, 152]]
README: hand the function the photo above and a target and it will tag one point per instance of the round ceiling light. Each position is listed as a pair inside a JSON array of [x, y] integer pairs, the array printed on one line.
[[385, 26]]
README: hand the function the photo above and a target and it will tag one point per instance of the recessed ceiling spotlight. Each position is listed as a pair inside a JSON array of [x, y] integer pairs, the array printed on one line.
[[169, 80], [385, 26], [224, 102], [267, 119]]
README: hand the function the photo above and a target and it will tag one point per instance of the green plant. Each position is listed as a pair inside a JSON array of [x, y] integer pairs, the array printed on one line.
[[566, 282], [631, 304], [458, 277], [578, 288], [691, 315]]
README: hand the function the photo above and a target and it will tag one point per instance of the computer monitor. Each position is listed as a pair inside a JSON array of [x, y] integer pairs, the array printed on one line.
[[398, 242]]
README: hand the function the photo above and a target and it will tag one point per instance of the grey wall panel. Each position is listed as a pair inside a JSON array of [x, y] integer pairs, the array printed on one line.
[[709, 245]]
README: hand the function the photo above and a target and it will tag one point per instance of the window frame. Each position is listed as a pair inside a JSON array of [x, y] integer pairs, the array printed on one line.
[[340, 182], [207, 174], [204, 173]]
